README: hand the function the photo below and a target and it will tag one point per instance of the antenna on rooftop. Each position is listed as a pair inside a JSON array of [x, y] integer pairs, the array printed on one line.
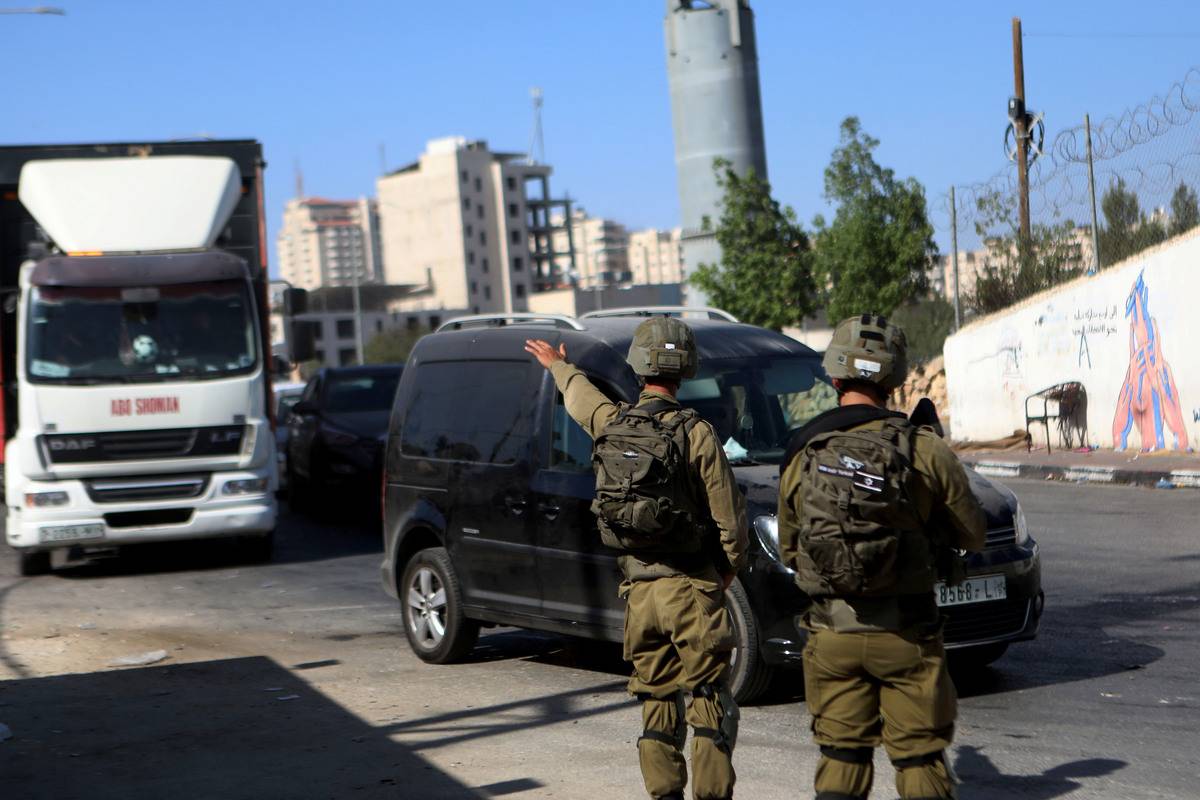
[[382, 158], [537, 147], [299, 180]]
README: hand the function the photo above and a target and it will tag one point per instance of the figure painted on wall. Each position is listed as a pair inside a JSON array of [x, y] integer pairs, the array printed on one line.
[[1149, 397]]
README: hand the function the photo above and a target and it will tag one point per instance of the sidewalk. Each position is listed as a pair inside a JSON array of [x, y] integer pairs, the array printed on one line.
[[1098, 466]]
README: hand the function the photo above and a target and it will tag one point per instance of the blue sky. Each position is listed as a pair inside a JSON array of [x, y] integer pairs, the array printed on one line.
[[325, 83]]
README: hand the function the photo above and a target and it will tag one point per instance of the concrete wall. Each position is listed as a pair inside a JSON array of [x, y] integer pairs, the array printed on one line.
[[1130, 335]]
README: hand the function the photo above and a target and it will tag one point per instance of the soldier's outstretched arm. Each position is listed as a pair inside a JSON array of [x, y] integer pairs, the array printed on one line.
[[586, 404], [725, 501], [952, 488]]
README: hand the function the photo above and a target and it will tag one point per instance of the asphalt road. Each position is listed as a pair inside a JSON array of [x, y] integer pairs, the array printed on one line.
[[292, 680]]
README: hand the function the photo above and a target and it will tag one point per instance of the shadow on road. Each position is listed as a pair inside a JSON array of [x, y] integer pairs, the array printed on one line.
[[1082, 642], [211, 729], [983, 781]]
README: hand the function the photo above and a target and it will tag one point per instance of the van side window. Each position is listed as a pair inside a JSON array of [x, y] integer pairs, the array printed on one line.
[[570, 447], [479, 411]]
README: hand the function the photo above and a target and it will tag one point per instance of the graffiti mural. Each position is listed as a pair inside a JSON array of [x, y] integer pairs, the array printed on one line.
[[1149, 397]]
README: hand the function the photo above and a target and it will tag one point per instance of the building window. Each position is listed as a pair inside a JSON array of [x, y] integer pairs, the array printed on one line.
[[483, 238], [475, 310], [434, 322], [465, 177], [511, 182], [470, 256], [319, 355], [516, 237], [487, 293], [484, 263], [520, 290], [410, 323], [474, 287], [518, 264], [379, 326], [479, 210], [513, 211], [345, 328], [478, 185], [470, 230], [346, 356], [466, 204], [318, 332]]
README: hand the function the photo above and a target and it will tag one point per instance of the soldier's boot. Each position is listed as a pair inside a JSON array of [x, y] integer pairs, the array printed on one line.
[[660, 747], [845, 773], [926, 777], [714, 716]]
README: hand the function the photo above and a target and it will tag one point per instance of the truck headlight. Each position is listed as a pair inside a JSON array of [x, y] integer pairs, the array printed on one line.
[[246, 486], [45, 499], [767, 529], [1021, 525]]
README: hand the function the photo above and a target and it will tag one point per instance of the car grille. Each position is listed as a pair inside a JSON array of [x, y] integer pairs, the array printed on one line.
[[146, 487], [77, 448], [981, 621], [1001, 537]]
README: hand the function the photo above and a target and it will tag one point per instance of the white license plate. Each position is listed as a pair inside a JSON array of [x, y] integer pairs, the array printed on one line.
[[71, 533], [972, 590]]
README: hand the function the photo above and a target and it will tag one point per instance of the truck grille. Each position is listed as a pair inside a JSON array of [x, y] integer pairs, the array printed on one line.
[[81, 448], [980, 621], [142, 519], [146, 487], [1001, 537]]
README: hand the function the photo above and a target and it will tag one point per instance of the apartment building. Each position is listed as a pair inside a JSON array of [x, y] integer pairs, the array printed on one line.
[[471, 225], [600, 249], [655, 257], [329, 242]]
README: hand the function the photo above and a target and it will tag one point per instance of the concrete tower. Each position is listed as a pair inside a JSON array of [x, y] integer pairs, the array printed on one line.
[[716, 109]]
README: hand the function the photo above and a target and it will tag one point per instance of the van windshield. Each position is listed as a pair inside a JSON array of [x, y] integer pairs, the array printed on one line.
[[139, 335], [755, 404]]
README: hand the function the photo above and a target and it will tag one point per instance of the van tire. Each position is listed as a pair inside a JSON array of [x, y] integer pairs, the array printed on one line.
[[431, 599], [30, 564], [750, 675]]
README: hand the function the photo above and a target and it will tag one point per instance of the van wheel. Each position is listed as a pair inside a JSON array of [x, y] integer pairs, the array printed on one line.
[[30, 564], [749, 676], [431, 604]]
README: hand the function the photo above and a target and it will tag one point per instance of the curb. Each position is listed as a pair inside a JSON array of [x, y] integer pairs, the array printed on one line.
[[1163, 479]]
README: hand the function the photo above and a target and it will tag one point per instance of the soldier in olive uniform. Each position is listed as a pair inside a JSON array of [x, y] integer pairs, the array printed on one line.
[[677, 632], [875, 666]]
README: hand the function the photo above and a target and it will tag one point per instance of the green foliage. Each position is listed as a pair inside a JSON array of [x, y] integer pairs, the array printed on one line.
[[878, 250], [926, 325], [1185, 210], [390, 346], [765, 276], [1014, 269], [1127, 231]]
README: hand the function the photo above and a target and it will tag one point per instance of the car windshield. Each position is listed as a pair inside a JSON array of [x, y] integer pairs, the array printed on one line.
[[755, 404], [371, 391], [136, 335]]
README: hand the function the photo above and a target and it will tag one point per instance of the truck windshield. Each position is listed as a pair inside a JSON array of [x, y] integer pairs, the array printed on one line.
[[135, 335], [755, 404]]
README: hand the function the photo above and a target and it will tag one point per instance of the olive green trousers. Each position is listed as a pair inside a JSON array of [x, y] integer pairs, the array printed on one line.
[[867, 688], [678, 638]]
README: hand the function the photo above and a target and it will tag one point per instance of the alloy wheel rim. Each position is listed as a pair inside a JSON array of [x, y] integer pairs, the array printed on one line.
[[426, 606]]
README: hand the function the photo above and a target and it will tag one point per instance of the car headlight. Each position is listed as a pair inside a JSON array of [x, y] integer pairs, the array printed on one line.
[[1021, 525], [246, 486], [767, 529], [45, 499]]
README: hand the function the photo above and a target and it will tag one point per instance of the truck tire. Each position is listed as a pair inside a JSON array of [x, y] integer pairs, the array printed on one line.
[[749, 676], [432, 608], [30, 564]]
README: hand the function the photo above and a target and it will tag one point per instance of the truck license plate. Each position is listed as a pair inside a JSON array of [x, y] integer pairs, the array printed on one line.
[[973, 590], [71, 533]]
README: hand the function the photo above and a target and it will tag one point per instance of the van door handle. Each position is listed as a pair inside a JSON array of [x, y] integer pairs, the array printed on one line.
[[515, 505], [549, 510]]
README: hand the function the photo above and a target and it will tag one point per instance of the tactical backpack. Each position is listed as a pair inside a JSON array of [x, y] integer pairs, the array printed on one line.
[[645, 499], [857, 524]]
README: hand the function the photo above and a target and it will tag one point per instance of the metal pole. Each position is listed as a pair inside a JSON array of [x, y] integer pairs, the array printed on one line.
[[358, 320], [954, 257], [1087, 124], [1021, 129]]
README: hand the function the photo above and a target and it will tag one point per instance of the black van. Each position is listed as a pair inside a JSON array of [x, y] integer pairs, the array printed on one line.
[[488, 484]]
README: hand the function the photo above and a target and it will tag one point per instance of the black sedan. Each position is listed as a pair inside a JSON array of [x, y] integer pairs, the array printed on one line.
[[336, 434]]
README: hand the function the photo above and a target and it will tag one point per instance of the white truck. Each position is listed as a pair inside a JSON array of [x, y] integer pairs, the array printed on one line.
[[136, 403]]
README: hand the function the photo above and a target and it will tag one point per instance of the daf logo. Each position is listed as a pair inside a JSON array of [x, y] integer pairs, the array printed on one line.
[[72, 444], [220, 437]]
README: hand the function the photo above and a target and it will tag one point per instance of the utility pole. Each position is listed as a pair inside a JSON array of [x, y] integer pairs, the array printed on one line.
[[1020, 123], [954, 258], [1087, 126]]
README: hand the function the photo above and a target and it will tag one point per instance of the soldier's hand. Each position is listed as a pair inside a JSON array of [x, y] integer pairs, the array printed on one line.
[[544, 352]]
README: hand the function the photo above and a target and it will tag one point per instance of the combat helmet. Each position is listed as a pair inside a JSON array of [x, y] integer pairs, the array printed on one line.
[[868, 348], [663, 347]]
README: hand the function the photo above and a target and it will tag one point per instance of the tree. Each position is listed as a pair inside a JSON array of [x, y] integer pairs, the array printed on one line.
[[877, 252], [765, 275], [390, 346], [1014, 269], [1185, 210], [1127, 231], [926, 325]]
